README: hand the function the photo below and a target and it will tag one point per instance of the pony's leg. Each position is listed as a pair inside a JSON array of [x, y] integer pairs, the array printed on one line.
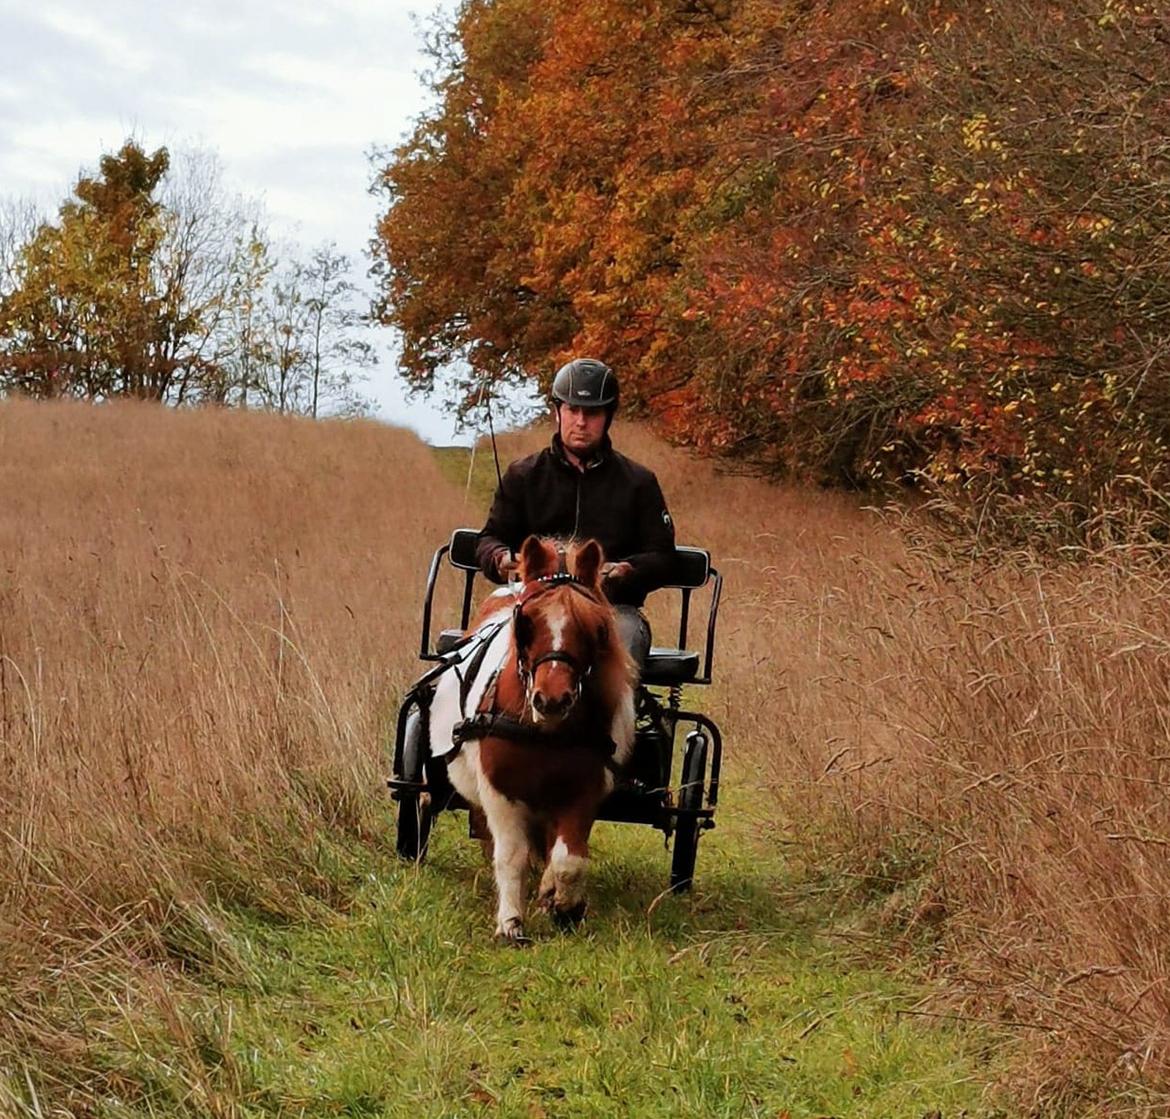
[[562, 889], [548, 881], [508, 824]]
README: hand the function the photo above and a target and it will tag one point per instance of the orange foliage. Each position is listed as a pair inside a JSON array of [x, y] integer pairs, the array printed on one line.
[[853, 238]]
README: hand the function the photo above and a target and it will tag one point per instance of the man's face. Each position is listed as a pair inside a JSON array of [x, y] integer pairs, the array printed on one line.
[[582, 429]]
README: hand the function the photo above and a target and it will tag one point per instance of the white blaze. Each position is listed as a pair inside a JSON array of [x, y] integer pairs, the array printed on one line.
[[557, 623]]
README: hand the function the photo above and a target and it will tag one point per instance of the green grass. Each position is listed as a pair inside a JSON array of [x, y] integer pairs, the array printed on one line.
[[738, 1000], [476, 480]]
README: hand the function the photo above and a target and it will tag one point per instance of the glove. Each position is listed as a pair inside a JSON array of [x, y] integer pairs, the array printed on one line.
[[506, 565], [613, 574]]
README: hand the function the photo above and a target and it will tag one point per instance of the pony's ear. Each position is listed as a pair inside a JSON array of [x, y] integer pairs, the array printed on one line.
[[587, 562], [532, 559]]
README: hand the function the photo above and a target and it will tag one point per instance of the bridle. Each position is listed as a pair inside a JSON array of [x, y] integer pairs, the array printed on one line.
[[490, 722], [535, 589]]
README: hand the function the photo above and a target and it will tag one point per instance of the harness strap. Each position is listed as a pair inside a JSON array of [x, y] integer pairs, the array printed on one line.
[[424, 686], [474, 663], [558, 655], [494, 724]]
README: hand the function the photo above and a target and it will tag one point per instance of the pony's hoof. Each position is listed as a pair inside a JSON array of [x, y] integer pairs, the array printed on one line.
[[511, 932], [569, 918]]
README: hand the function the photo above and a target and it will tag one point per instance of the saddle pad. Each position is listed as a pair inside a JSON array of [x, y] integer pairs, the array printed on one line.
[[449, 707]]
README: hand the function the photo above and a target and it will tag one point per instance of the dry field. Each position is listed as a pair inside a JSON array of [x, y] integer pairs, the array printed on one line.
[[205, 618], [986, 744]]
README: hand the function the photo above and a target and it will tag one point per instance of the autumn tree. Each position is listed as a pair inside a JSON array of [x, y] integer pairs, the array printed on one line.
[[282, 374], [1050, 183], [311, 350], [155, 282], [82, 318], [860, 240], [243, 353], [335, 347], [200, 269], [129, 291], [443, 253]]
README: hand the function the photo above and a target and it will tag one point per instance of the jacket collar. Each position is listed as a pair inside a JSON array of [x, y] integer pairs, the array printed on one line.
[[600, 456]]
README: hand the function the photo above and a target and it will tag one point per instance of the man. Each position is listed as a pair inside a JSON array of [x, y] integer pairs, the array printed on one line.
[[580, 487]]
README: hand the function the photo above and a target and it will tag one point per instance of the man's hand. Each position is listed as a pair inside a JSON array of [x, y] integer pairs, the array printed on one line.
[[614, 573], [506, 565]]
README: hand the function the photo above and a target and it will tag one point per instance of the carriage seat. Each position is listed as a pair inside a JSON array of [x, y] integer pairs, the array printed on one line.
[[670, 666]]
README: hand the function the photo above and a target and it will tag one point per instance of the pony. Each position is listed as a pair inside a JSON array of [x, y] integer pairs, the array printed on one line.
[[541, 732]]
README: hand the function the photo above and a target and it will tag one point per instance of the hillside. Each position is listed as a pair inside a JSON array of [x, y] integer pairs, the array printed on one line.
[[944, 784]]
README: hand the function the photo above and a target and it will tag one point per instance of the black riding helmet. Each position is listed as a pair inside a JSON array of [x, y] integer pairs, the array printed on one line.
[[587, 383]]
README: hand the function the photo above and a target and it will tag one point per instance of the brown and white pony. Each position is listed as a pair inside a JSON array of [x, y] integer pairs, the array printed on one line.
[[544, 728]]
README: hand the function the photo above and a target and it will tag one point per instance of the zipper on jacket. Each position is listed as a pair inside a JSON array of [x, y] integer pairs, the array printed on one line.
[[577, 515]]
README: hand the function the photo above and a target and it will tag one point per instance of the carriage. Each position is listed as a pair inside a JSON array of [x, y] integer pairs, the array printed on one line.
[[677, 799]]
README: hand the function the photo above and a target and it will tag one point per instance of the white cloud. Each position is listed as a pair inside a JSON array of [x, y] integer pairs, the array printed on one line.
[[77, 23], [291, 94], [37, 158]]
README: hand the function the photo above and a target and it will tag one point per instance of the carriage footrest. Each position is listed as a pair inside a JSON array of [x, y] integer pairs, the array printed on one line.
[[397, 786], [444, 798]]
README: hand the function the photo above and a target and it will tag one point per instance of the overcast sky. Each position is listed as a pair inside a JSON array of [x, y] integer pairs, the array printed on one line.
[[290, 95]]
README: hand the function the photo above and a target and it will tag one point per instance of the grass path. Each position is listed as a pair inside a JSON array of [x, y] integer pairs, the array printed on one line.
[[738, 1000], [748, 997]]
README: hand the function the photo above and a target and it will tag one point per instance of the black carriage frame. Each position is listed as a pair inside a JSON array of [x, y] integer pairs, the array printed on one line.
[[644, 794]]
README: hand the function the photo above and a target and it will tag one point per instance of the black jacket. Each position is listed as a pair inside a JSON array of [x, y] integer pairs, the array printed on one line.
[[614, 501]]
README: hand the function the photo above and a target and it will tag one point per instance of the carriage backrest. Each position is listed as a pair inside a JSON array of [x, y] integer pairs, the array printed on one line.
[[461, 550]]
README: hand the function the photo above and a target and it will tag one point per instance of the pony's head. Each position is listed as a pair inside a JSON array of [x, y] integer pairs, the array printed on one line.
[[562, 625]]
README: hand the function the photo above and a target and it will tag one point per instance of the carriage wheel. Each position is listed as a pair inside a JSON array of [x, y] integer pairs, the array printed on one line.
[[414, 809], [690, 800]]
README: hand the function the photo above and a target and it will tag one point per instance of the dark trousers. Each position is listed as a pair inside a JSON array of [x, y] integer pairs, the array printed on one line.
[[634, 631]]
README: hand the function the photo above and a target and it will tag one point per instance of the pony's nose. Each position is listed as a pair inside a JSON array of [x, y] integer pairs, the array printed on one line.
[[552, 706]]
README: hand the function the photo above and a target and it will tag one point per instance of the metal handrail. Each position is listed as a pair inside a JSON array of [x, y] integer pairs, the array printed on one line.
[[424, 649]]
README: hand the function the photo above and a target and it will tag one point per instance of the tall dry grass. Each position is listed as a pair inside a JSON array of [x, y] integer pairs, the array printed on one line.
[[205, 619], [984, 742]]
